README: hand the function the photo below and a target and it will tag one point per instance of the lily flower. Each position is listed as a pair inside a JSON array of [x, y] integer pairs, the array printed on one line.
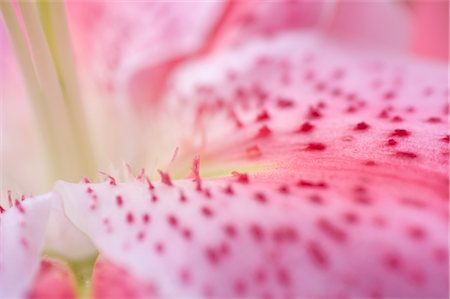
[[274, 152]]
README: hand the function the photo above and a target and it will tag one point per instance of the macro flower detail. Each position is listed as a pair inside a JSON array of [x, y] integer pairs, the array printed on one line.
[[276, 163]]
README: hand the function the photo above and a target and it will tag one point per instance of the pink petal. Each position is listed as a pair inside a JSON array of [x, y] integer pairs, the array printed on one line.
[[111, 281], [430, 29], [268, 238], [114, 40], [371, 24], [347, 167], [135, 47], [21, 239], [53, 281], [325, 109]]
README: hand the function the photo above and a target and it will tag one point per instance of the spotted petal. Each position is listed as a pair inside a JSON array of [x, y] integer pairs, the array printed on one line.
[[256, 238], [22, 231], [341, 170]]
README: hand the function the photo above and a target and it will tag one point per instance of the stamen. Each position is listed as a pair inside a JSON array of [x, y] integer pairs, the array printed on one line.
[[196, 173], [112, 180], [165, 178]]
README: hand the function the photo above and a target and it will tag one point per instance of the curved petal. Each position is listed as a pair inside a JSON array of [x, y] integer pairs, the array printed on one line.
[[324, 108], [22, 229], [237, 238], [133, 49], [63, 239], [115, 39]]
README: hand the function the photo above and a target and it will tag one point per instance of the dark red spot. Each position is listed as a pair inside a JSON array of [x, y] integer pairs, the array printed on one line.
[[317, 254], [336, 92], [119, 200], [361, 126], [417, 233], [321, 86], [410, 109], [172, 220], [230, 230], [257, 232], [445, 139], [159, 248], [207, 212], [360, 189], [441, 255], [392, 261], [389, 95], [397, 119], [253, 152], [263, 132], [363, 200], [149, 183], [146, 218], [141, 236], [283, 277], [228, 190], [187, 234], [260, 197], [370, 163], [240, 177], [351, 109], [315, 146], [332, 230], [351, 96], [305, 128], [314, 113], [283, 189], [212, 255], [285, 103], [285, 234], [207, 193], [183, 197], [263, 116], [391, 142], [309, 184], [316, 199], [434, 120], [154, 198], [130, 218], [408, 155], [185, 276], [351, 218], [400, 133], [384, 113], [240, 287], [260, 276]]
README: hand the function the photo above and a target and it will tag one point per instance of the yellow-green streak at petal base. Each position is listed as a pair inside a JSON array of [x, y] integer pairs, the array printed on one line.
[[54, 22], [81, 270]]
